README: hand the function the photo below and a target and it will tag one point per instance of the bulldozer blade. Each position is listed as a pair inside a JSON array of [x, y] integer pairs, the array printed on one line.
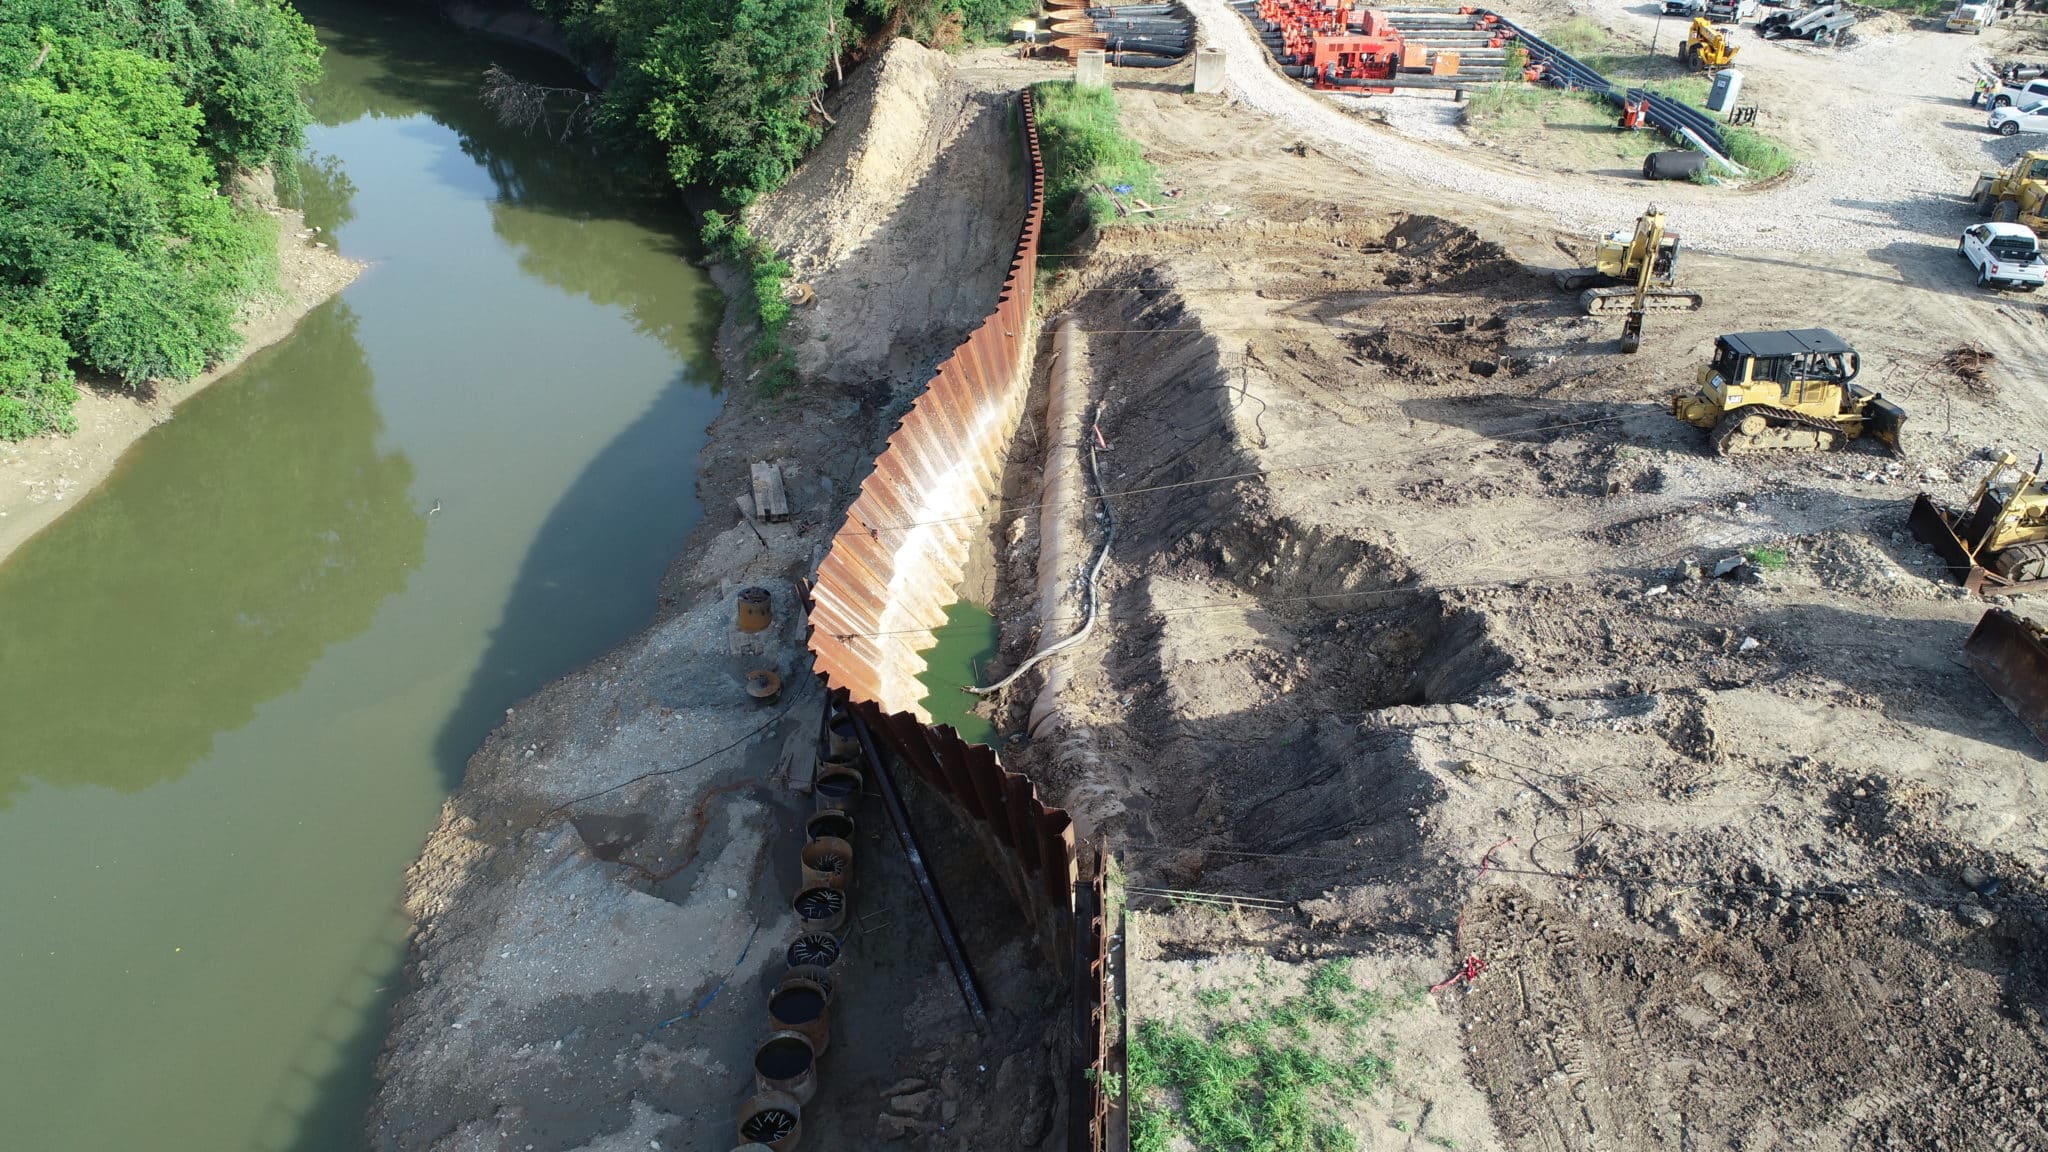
[[1615, 301], [1933, 529], [2012, 660]]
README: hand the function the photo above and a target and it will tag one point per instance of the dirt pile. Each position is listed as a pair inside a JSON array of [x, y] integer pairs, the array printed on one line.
[[921, 173]]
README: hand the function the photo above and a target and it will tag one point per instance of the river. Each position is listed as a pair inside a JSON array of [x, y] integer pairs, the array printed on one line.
[[240, 677]]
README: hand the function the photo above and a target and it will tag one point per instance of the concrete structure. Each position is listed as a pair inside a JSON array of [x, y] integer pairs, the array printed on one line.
[[1208, 69], [1091, 69]]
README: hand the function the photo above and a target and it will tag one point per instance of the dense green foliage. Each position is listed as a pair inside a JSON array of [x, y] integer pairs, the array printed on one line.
[[1084, 147], [728, 93], [1263, 1079], [725, 88], [118, 121]]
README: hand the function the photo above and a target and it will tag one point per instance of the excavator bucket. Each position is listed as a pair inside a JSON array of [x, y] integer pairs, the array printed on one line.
[[1931, 525], [2010, 656]]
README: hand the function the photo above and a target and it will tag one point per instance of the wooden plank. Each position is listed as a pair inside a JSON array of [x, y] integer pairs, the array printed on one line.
[[771, 504]]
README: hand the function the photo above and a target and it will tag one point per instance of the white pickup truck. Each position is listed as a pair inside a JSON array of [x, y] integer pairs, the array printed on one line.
[[2031, 92], [2004, 255]]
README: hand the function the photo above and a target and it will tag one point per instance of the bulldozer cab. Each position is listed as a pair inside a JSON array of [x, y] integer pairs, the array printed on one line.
[[1804, 367], [2032, 166]]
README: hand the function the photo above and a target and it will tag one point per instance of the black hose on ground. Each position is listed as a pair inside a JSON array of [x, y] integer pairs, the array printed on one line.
[[1127, 60]]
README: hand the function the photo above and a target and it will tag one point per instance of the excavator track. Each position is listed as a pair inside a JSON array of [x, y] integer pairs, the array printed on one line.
[[1757, 429], [1615, 301]]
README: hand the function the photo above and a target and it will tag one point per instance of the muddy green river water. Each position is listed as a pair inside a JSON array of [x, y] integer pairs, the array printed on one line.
[[237, 681]]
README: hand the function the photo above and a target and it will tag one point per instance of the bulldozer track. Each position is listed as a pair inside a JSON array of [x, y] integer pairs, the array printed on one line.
[[1728, 438]]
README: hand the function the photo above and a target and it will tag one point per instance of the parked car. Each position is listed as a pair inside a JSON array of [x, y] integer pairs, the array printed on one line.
[[2004, 255], [2013, 119], [2033, 91], [1685, 8], [1731, 11]]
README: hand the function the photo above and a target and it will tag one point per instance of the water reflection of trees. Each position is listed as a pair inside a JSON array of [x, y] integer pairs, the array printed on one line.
[[233, 547], [564, 205]]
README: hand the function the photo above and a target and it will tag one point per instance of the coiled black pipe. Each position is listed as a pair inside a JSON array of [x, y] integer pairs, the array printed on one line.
[[1135, 10], [1130, 60]]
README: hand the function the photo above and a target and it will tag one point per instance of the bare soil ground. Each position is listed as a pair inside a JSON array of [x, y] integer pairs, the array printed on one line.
[[1763, 860]]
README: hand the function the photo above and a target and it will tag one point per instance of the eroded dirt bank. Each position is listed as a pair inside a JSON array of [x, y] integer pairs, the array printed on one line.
[[43, 478]]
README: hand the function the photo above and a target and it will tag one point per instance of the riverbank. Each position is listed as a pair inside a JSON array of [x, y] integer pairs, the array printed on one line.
[[43, 478], [609, 885]]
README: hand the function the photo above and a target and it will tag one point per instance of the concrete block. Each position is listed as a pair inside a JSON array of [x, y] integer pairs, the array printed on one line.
[[1091, 69], [1208, 69]]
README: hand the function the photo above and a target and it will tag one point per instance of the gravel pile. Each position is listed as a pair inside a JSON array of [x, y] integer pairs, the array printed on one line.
[[1894, 170]]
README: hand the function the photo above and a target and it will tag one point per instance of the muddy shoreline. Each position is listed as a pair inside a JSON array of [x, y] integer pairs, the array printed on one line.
[[43, 478]]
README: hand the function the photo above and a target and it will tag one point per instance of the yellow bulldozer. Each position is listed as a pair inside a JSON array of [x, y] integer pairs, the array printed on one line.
[[1706, 47], [2015, 195], [1766, 391], [1998, 539], [1637, 272]]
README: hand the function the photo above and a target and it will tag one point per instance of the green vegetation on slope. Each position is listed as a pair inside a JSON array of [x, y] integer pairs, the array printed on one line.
[[1083, 147], [725, 88], [726, 92], [119, 120], [1264, 1081]]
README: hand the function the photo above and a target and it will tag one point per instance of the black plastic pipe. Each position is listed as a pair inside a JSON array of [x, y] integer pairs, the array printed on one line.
[[933, 902]]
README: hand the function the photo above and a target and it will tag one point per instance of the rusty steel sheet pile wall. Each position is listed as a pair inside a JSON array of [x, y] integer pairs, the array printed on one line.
[[885, 586], [890, 575], [894, 565]]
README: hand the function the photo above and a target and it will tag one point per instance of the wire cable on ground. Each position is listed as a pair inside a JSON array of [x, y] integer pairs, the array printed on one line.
[[1088, 593]]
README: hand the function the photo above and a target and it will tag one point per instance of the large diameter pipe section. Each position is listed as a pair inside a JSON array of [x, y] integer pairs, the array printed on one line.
[[1062, 508]]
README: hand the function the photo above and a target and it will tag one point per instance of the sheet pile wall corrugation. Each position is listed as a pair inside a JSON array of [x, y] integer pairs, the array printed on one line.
[[890, 575], [887, 582]]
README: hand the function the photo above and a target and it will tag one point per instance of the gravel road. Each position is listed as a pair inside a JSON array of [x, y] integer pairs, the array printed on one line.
[[1850, 112]]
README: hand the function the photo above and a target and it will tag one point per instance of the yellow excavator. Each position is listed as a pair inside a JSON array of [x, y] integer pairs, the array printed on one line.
[[1639, 271], [1999, 538], [2016, 195], [1766, 391], [1705, 47]]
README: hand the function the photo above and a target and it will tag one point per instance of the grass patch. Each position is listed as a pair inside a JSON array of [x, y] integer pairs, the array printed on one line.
[[1912, 7], [1267, 1082], [1084, 145], [1763, 156], [1768, 559], [765, 296]]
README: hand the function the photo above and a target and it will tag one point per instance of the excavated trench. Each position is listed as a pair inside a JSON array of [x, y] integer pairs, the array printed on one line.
[[1250, 637]]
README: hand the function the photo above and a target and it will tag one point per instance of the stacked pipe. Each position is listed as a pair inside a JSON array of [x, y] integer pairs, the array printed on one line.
[[800, 1002], [1134, 36]]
